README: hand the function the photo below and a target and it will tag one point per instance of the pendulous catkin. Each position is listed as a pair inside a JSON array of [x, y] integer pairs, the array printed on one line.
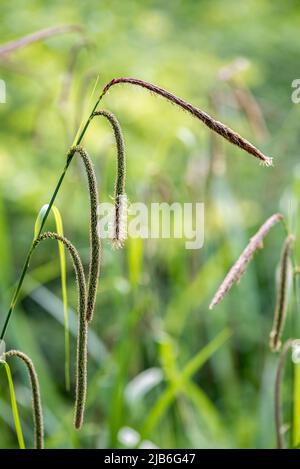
[[118, 223], [36, 398], [95, 244], [285, 272], [237, 270], [81, 361], [214, 125]]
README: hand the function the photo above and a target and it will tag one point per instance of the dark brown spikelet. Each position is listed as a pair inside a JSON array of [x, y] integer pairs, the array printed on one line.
[[285, 272], [36, 398], [210, 122], [118, 226], [237, 270], [81, 361], [95, 244]]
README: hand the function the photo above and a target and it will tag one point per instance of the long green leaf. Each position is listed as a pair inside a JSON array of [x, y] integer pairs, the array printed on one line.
[[167, 397], [201, 357], [135, 259], [14, 407], [206, 410], [63, 275]]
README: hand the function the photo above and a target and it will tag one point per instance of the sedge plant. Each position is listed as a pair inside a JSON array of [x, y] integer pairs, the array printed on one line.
[[87, 288], [286, 276]]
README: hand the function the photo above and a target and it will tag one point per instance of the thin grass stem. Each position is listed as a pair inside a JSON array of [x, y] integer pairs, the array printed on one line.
[[278, 393]]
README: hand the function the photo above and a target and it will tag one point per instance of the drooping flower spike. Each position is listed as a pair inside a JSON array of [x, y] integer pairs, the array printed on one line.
[[216, 126], [118, 222], [284, 280], [81, 361], [36, 398], [95, 243], [238, 269]]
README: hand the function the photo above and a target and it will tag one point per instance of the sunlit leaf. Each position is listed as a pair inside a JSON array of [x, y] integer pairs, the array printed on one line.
[[14, 407], [167, 397], [135, 259], [63, 275]]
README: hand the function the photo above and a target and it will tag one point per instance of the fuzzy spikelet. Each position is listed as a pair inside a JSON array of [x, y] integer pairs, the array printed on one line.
[[285, 271], [36, 398], [118, 222], [95, 244], [121, 155], [81, 361], [213, 124], [268, 162], [237, 270]]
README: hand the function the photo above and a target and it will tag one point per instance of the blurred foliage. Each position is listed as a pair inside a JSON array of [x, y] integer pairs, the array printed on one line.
[[152, 310]]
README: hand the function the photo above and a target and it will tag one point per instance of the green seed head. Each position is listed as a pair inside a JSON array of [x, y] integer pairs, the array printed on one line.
[[81, 362], [36, 398]]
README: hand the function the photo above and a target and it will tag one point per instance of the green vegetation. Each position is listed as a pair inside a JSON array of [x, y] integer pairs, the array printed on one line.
[[163, 370]]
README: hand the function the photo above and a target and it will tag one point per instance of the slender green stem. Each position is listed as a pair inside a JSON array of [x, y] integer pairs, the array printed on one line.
[[31, 249], [278, 385]]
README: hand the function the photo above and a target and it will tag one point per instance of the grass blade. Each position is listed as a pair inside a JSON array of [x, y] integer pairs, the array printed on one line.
[[296, 410], [135, 260], [63, 275], [14, 407], [167, 397], [206, 411], [201, 357]]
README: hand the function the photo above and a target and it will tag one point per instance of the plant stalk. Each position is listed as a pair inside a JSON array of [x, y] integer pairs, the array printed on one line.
[[31, 249]]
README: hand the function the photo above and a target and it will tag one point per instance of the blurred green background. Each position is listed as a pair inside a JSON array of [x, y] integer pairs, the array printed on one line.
[[152, 318]]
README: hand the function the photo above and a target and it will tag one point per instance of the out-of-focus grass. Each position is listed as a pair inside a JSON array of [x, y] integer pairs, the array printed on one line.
[[153, 293]]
